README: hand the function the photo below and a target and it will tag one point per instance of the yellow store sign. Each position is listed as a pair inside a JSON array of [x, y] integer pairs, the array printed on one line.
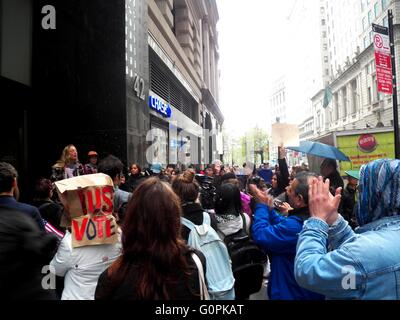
[[364, 148]]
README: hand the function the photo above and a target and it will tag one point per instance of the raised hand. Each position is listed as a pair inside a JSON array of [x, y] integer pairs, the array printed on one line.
[[261, 197]]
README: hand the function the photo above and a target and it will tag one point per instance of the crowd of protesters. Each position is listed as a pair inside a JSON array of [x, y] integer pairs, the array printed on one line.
[[176, 226]]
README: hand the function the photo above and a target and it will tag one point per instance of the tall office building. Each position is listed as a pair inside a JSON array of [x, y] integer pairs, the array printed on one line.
[[103, 76]]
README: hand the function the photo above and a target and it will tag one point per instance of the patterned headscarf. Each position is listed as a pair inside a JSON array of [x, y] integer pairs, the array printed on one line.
[[379, 191]]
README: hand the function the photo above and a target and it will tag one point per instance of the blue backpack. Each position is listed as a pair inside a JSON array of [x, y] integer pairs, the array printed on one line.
[[205, 239]]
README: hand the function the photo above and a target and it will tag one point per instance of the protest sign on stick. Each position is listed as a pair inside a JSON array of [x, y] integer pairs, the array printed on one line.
[[284, 134]]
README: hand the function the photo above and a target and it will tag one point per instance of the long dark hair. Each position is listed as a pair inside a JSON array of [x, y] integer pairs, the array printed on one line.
[[228, 200], [152, 242]]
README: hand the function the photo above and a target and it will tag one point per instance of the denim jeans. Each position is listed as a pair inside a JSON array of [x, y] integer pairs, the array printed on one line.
[[223, 295]]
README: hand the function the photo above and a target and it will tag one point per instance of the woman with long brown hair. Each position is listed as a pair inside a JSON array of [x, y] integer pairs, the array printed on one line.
[[68, 166], [155, 264]]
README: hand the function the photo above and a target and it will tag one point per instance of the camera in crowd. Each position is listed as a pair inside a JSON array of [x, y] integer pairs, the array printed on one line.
[[207, 191], [277, 204], [259, 183]]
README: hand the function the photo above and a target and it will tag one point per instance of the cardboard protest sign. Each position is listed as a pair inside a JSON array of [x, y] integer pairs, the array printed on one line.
[[284, 134], [88, 201]]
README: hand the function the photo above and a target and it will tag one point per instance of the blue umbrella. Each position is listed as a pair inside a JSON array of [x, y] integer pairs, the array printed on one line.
[[320, 150]]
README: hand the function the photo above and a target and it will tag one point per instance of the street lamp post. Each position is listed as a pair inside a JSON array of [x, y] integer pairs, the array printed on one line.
[[395, 107]]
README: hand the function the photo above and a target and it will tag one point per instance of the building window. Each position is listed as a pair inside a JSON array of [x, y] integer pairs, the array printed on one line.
[[369, 91], [366, 42], [325, 58], [385, 22], [384, 4], [364, 23], [375, 91], [323, 34], [368, 68], [325, 46], [354, 94], [363, 5], [377, 9], [336, 108], [327, 72], [369, 17], [344, 97], [323, 22]]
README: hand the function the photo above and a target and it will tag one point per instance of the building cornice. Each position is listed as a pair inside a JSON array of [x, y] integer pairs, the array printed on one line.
[[200, 8], [211, 104], [156, 26], [317, 95]]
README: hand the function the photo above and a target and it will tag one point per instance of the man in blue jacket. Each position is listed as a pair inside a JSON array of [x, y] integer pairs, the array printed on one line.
[[278, 236]]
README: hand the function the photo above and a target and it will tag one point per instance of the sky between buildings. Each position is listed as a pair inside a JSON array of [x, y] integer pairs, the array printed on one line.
[[258, 41]]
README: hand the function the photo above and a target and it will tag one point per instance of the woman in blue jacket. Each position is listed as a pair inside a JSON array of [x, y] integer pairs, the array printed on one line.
[[359, 265]]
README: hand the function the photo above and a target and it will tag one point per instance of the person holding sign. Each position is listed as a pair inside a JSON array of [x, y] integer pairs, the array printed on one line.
[[92, 242]]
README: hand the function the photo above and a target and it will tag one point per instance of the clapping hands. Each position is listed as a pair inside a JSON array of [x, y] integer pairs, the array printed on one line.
[[322, 203]]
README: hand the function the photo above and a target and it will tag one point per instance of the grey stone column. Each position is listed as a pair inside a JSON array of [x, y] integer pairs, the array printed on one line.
[[216, 77], [206, 52], [212, 67]]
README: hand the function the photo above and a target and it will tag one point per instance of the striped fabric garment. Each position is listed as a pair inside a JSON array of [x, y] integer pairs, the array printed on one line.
[[379, 191], [50, 229]]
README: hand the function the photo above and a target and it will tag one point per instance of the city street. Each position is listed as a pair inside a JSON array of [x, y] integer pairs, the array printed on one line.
[[169, 150]]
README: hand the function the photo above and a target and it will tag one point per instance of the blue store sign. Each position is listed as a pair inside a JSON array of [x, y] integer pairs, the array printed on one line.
[[160, 106]]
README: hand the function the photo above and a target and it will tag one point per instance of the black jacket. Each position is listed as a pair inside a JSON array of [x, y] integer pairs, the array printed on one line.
[[194, 213], [132, 182], [335, 181], [347, 205], [283, 179], [24, 250], [10, 203], [182, 290], [50, 211]]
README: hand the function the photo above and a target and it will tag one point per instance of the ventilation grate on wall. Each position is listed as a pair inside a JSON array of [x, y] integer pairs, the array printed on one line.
[[164, 84]]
